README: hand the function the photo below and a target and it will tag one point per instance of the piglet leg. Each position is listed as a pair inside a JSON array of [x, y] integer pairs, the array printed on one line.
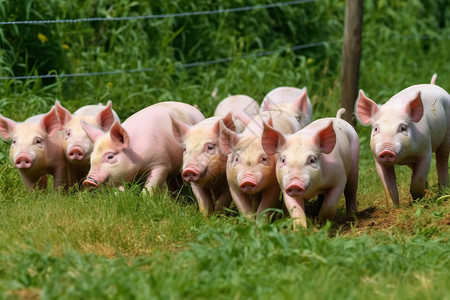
[[387, 176], [243, 202], [223, 200], [330, 203], [419, 176], [350, 190], [442, 154], [205, 203], [60, 177], [296, 208], [269, 199], [32, 182], [156, 179]]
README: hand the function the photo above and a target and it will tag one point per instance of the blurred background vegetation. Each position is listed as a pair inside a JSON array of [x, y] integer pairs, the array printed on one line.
[[398, 37]]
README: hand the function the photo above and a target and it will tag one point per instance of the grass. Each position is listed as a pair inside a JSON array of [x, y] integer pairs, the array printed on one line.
[[112, 245], [125, 246]]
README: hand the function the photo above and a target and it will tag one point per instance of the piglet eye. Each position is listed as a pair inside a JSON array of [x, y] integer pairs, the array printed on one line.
[[184, 148], [210, 147], [110, 158], [68, 134], [283, 159], [38, 141], [375, 129], [14, 141], [311, 160], [264, 159], [402, 128]]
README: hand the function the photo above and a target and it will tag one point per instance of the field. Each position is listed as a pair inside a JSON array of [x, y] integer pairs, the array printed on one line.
[[106, 244]]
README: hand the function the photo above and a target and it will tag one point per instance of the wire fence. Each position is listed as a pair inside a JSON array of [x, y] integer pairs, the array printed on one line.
[[175, 15], [161, 16], [180, 66]]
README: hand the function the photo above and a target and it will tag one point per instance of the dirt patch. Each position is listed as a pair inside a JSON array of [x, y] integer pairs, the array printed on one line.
[[406, 219], [370, 218], [24, 294]]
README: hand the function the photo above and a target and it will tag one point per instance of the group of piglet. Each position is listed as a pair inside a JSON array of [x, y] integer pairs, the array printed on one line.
[[246, 153]]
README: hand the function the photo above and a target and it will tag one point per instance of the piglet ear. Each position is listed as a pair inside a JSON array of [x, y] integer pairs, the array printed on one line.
[[50, 122], [179, 129], [326, 138], [267, 105], [119, 135], [271, 139], [415, 108], [64, 116], [228, 138], [301, 102], [92, 132], [228, 121], [106, 118], [366, 108], [6, 127]]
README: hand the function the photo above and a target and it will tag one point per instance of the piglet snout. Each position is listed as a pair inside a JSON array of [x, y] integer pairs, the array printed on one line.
[[90, 182], [387, 156], [76, 153], [295, 188], [190, 174], [248, 184], [23, 161]]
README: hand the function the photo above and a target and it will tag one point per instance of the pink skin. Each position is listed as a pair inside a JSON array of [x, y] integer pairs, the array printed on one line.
[[405, 131], [321, 159], [36, 149], [143, 146], [291, 100], [77, 145], [203, 162], [250, 171], [242, 107]]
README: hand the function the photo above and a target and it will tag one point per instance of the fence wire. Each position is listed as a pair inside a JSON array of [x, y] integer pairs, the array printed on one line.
[[182, 14], [162, 16], [180, 66]]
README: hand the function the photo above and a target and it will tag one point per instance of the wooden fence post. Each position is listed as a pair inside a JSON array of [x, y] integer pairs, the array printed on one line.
[[351, 56]]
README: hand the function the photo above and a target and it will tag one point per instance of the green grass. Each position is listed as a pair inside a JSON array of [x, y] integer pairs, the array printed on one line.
[[102, 245], [108, 244]]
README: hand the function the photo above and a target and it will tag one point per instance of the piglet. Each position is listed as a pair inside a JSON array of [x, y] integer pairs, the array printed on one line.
[[204, 163], [405, 131], [144, 146], [320, 159], [36, 149], [291, 100], [250, 171], [243, 108], [77, 145]]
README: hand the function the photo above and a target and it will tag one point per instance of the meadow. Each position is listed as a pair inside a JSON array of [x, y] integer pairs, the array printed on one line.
[[106, 244]]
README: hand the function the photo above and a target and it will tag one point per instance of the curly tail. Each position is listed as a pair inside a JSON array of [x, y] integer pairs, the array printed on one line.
[[433, 79], [339, 113]]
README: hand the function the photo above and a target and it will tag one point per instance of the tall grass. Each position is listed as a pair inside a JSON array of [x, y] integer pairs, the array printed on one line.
[[106, 244]]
